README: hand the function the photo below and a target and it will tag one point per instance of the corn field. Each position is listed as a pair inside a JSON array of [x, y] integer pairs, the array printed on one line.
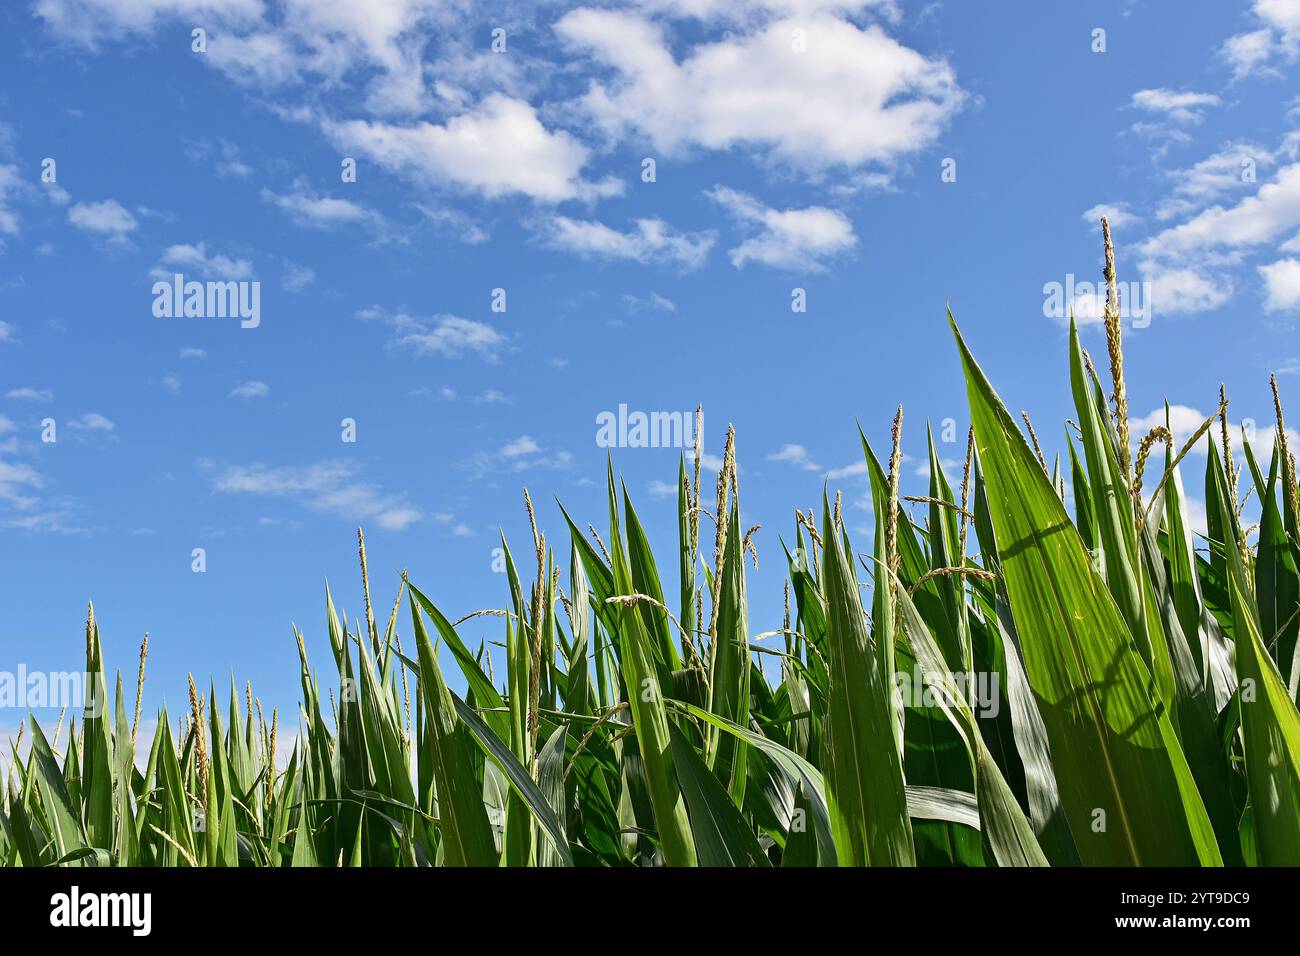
[[1144, 683]]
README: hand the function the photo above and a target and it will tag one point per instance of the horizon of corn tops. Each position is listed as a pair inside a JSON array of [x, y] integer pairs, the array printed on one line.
[[1101, 688]]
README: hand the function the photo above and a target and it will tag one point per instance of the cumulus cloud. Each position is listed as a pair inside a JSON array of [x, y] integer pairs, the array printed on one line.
[[1118, 214], [498, 148], [1277, 39], [1185, 419], [1281, 285], [765, 88], [250, 390], [1188, 265], [108, 218], [785, 239]]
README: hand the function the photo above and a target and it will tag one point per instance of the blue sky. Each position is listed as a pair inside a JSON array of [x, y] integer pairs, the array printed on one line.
[[798, 144]]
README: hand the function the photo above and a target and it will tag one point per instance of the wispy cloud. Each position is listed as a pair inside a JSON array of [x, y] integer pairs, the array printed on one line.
[[195, 258], [327, 486], [649, 241], [322, 212], [28, 394], [449, 336], [795, 455], [653, 301], [1181, 107], [91, 422], [518, 454]]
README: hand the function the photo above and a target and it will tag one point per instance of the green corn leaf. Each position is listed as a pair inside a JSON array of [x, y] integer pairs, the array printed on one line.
[[1127, 791], [865, 775], [466, 835]]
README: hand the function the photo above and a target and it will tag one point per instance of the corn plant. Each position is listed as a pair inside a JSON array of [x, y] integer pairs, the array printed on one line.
[[1143, 681]]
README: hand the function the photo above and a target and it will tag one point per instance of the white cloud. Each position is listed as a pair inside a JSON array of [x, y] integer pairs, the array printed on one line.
[[6, 332], [195, 258], [449, 336], [498, 149], [321, 212], [755, 89], [57, 194], [848, 471], [29, 394], [106, 218], [795, 455], [1247, 53], [296, 277], [463, 530], [661, 489], [518, 454], [328, 486], [1183, 422], [787, 239], [90, 21], [189, 352], [223, 154], [454, 222], [1257, 219], [1117, 214], [249, 390], [261, 58], [1188, 264], [1174, 291], [9, 183], [1179, 107], [654, 300], [91, 422], [653, 240], [1218, 174], [13, 479], [523, 445], [1281, 285], [1278, 38], [1282, 15]]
